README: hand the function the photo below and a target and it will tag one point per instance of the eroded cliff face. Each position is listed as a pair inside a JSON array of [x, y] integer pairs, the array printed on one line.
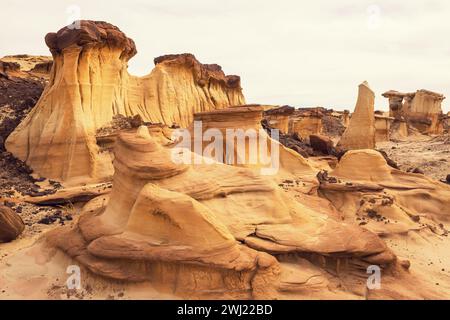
[[89, 85]]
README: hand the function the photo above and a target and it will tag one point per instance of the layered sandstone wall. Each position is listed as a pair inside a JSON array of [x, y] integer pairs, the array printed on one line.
[[89, 85], [173, 223]]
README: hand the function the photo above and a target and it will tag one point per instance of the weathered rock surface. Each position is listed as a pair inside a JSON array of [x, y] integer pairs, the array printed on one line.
[[279, 118], [90, 84], [421, 109], [182, 219], [20, 89], [383, 128], [360, 134], [386, 200], [259, 151], [11, 225]]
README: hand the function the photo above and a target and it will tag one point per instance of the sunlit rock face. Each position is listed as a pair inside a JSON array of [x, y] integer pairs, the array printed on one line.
[[360, 133], [89, 85], [174, 223]]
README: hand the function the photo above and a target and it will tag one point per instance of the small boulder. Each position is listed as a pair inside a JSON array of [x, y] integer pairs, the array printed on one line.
[[11, 225], [321, 143]]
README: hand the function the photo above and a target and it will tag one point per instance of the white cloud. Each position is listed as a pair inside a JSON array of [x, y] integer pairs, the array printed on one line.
[[287, 51]]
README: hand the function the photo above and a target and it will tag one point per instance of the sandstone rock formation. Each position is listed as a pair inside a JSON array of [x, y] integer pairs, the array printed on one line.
[[20, 88], [90, 84], [421, 109], [321, 143], [26, 66], [258, 151], [360, 134], [181, 221], [11, 225], [346, 118], [399, 130], [383, 199], [278, 118], [446, 122], [307, 123], [382, 128]]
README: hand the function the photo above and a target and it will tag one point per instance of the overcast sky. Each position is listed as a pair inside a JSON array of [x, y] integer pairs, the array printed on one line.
[[302, 53]]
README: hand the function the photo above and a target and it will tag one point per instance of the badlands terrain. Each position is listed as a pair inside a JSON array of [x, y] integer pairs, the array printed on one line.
[[95, 202]]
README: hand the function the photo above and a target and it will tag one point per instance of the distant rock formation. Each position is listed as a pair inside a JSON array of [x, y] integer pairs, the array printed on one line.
[[360, 133], [26, 67], [244, 118], [421, 109], [279, 117], [308, 122], [90, 84], [383, 127], [182, 220], [22, 80]]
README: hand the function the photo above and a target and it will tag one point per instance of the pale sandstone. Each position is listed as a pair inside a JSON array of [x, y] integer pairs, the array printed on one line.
[[360, 133], [168, 217], [390, 200], [421, 109], [382, 128], [247, 119], [89, 84]]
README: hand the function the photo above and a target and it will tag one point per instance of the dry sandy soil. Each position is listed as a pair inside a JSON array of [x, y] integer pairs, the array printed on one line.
[[431, 155]]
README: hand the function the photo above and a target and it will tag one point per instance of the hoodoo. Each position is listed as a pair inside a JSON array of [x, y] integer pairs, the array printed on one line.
[[90, 84], [421, 109]]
